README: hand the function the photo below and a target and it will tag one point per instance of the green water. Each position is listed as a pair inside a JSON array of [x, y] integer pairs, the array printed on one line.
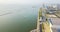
[[20, 19]]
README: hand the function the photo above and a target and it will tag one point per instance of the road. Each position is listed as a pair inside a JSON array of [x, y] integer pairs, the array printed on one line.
[[56, 24]]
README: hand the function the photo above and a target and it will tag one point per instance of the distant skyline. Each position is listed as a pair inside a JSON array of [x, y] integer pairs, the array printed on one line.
[[28, 1]]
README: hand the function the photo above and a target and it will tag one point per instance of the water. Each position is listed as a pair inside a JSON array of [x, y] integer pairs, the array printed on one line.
[[18, 18]]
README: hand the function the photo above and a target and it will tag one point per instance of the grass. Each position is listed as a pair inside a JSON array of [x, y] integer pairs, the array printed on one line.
[[40, 13]]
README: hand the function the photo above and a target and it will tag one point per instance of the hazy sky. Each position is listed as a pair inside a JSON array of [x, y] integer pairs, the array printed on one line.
[[28, 1]]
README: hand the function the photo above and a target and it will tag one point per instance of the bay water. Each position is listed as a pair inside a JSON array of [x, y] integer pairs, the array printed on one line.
[[18, 18]]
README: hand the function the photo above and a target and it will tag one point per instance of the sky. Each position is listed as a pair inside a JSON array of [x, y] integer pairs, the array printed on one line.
[[28, 1]]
